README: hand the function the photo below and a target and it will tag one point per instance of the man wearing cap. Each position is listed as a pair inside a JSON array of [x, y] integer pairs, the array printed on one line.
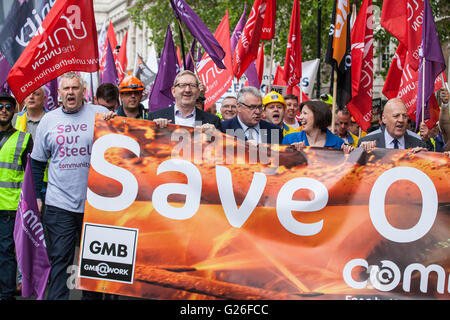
[[130, 91], [185, 90], [64, 137], [14, 148], [247, 124], [275, 111]]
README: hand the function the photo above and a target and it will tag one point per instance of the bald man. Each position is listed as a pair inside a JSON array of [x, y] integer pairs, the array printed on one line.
[[393, 133]]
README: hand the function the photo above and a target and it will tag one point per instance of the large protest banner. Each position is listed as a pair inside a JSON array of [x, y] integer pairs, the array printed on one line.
[[176, 214]]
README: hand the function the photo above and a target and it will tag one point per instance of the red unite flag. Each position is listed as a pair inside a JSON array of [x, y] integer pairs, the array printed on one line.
[[403, 19], [122, 61], [293, 59], [268, 31], [360, 106], [247, 48], [394, 76], [67, 41], [260, 62]]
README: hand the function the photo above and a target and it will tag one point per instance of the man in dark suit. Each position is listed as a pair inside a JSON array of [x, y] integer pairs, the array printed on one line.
[[247, 124], [186, 90], [393, 133]]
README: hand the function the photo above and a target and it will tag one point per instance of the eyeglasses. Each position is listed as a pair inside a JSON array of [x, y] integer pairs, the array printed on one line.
[[231, 106], [8, 107], [252, 107], [184, 85], [130, 93]]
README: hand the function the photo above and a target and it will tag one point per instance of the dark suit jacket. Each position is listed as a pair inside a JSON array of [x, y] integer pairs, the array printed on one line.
[[410, 141], [200, 116], [266, 133]]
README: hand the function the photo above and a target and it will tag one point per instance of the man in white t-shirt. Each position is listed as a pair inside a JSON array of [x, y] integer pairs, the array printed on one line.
[[64, 138]]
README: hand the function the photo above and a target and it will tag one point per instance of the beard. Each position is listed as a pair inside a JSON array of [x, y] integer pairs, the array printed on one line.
[[7, 121]]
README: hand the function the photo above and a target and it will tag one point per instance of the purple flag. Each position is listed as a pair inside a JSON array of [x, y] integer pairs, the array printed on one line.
[[189, 63], [198, 29], [434, 62], [161, 93], [4, 69], [29, 240], [251, 73], [238, 30], [51, 91], [110, 71]]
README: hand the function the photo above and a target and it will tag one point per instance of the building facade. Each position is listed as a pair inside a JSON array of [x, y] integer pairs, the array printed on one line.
[[137, 38]]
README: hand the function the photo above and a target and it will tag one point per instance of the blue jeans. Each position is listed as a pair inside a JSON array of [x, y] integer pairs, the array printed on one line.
[[8, 264], [63, 234]]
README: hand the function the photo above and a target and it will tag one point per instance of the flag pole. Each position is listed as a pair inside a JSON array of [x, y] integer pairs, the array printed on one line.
[[182, 49], [182, 43], [423, 89], [443, 81], [333, 109], [269, 87]]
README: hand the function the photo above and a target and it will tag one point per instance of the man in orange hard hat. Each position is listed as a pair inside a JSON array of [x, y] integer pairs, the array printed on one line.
[[130, 92]]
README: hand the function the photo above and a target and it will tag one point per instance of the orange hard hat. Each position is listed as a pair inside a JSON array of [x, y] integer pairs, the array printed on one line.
[[130, 83]]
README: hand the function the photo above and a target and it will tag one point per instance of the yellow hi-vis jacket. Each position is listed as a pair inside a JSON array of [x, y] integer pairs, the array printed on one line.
[[11, 169], [21, 124]]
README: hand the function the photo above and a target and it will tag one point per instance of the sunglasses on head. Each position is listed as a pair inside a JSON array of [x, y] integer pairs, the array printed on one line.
[[8, 107]]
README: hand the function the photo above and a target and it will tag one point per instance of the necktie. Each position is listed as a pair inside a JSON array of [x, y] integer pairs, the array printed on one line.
[[251, 135], [395, 142]]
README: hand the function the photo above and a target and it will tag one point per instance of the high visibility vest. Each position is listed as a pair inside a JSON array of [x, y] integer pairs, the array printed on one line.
[[12, 170], [21, 124]]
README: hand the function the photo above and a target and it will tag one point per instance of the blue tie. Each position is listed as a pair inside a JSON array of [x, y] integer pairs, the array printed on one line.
[[395, 141]]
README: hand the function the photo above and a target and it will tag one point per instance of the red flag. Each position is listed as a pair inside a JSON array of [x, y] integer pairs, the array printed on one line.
[[111, 36], [68, 42], [403, 19], [293, 59], [360, 106], [216, 80], [260, 62], [268, 29], [279, 81], [438, 83], [394, 76], [247, 47], [122, 61]]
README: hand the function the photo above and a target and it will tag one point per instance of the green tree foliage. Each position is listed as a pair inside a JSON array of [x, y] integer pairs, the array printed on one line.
[[157, 14]]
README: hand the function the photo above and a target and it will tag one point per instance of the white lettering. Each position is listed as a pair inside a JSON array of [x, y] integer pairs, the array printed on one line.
[[126, 178], [429, 204]]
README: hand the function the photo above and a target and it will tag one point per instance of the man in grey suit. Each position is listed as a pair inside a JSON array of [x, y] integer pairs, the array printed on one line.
[[393, 133]]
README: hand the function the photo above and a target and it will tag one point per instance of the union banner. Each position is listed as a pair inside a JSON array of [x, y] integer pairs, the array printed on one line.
[[175, 213]]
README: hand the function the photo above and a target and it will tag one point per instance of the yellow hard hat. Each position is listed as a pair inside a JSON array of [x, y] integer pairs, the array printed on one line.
[[130, 83], [273, 97]]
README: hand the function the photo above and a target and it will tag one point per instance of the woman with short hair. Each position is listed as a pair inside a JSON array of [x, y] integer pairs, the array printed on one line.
[[315, 117]]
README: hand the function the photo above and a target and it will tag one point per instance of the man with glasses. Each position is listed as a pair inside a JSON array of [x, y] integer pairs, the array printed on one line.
[[130, 91], [228, 109], [185, 90], [14, 148], [247, 124]]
